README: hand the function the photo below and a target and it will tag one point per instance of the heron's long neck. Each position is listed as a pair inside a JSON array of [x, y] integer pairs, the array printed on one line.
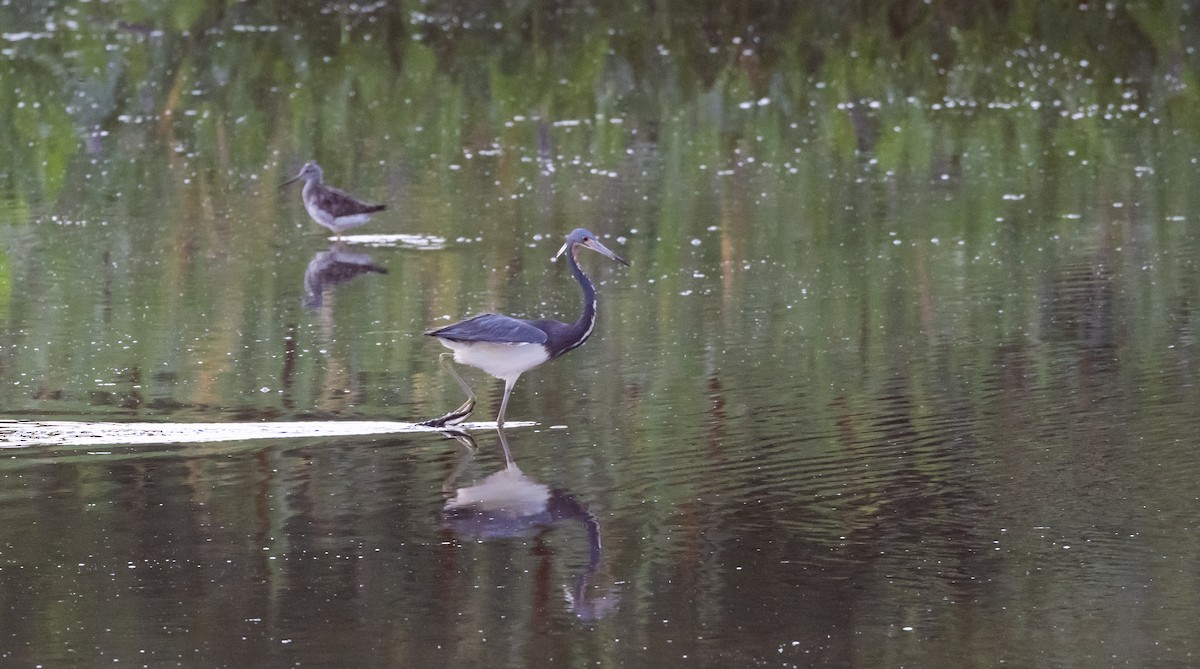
[[581, 329]]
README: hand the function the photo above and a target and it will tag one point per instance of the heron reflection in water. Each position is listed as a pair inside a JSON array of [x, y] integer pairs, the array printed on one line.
[[508, 504], [332, 267]]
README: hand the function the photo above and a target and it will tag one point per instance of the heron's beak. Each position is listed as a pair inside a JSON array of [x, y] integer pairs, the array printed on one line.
[[290, 181], [595, 245]]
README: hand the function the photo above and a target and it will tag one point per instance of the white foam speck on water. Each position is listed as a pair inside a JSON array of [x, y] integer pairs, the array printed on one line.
[[22, 434], [420, 242]]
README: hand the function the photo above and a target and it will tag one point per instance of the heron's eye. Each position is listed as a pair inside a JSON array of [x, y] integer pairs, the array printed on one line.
[[585, 238]]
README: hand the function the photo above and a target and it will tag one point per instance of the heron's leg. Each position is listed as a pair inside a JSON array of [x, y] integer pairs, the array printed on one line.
[[469, 448], [508, 458], [460, 414], [508, 386]]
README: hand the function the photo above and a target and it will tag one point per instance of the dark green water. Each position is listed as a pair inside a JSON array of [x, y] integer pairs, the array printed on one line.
[[902, 372]]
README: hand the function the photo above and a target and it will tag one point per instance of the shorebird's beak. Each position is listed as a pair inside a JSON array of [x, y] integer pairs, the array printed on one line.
[[290, 181], [595, 245]]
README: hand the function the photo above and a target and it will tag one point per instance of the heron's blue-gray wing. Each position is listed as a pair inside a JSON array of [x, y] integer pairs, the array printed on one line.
[[491, 328]]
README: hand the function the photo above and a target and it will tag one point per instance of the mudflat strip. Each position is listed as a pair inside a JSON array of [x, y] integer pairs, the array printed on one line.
[[22, 434]]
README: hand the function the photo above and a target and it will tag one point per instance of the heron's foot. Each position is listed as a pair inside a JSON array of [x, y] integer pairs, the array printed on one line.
[[460, 414], [454, 417]]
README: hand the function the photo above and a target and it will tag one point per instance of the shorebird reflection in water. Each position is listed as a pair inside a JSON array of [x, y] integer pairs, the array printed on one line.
[[509, 504], [332, 267], [507, 347], [329, 206]]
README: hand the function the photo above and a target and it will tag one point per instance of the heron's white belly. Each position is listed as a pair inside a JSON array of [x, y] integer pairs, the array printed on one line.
[[508, 494], [503, 361]]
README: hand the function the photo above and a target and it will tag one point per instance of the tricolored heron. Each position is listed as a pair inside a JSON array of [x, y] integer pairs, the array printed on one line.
[[329, 206], [507, 347]]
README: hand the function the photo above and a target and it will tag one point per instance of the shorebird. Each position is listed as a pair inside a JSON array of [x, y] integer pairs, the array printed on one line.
[[329, 268], [329, 206], [507, 347]]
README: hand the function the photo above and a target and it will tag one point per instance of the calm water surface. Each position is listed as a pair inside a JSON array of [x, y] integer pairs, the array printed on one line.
[[902, 372]]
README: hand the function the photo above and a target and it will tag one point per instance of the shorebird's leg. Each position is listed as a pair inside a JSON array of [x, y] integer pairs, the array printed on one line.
[[460, 414]]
